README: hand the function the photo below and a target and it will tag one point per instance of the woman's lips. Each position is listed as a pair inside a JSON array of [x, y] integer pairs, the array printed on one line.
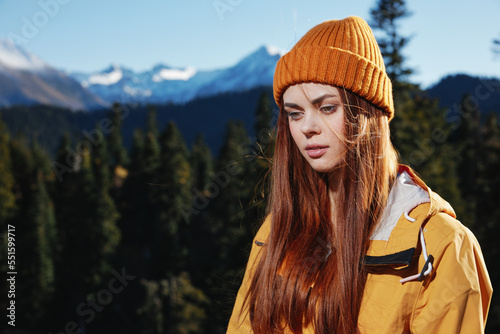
[[316, 151]]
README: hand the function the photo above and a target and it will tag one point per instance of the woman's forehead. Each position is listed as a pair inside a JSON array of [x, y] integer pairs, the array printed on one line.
[[309, 91]]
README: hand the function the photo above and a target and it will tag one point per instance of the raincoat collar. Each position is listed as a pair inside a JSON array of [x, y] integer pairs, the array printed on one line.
[[410, 204]]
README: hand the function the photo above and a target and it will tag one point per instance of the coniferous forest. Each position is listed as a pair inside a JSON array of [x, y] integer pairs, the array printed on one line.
[[152, 234], [155, 238]]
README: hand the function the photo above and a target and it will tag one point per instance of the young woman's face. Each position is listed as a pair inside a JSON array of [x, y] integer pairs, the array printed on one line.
[[316, 119]]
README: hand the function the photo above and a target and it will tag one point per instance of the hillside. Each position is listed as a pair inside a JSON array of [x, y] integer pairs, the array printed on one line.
[[484, 92], [207, 115], [25, 79]]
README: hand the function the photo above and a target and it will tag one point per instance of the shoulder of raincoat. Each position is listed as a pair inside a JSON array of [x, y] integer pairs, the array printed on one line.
[[427, 272]]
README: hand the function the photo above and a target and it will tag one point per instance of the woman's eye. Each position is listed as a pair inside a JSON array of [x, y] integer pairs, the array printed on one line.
[[294, 115], [329, 109]]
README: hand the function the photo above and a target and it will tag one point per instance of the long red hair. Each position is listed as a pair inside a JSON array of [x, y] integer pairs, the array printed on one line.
[[310, 271]]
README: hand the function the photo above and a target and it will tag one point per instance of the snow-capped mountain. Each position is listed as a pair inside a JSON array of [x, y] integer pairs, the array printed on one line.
[[160, 84], [16, 58], [256, 69], [163, 83], [26, 79]]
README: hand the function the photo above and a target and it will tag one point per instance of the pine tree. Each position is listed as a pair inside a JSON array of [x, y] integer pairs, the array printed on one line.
[[229, 223], [231, 169], [44, 250], [133, 205], [86, 220], [7, 199], [115, 141], [152, 126], [201, 241], [138, 208], [7, 208], [139, 202], [419, 130], [263, 148], [151, 156], [264, 119], [64, 191], [489, 167], [136, 153], [45, 221], [174, 180], [174, 174], [467, 137], [106, 213], [201, 161], [487, 227], [100, 161], [35, 226], [385, 17], [422, 137], [150, 310], [172, 305]]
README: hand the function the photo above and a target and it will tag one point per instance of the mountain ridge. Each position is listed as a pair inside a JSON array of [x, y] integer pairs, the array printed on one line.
[[168, 84], [25, 79]]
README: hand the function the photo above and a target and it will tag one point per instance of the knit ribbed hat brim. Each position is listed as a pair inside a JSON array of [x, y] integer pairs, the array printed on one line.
[[342, 53]]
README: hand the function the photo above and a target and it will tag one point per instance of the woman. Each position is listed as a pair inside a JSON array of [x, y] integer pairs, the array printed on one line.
[[353, 242]]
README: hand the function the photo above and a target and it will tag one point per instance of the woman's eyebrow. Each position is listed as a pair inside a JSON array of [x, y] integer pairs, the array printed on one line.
[[313, 102], [321, 98], [292, 105]]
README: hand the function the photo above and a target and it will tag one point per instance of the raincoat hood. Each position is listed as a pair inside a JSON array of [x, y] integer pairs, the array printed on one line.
[[396, 237]]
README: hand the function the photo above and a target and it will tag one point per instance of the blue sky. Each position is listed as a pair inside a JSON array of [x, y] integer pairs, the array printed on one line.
[[448, 36]]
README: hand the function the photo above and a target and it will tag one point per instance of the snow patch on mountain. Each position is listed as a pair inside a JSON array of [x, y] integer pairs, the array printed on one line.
[[15, 57], [174, 74], [274, 51], [108, 77], [136, 92]]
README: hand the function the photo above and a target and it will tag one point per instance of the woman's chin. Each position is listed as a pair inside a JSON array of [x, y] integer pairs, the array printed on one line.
[[322, 167], [323, 164]]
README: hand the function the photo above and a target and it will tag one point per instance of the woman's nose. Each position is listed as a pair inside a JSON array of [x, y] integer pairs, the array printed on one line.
[[311, 123]]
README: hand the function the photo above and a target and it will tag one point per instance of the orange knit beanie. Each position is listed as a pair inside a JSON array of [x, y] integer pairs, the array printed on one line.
[[342, 53]]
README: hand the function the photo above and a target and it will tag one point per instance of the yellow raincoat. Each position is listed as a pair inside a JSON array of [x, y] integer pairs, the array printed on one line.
[[445, 287]]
